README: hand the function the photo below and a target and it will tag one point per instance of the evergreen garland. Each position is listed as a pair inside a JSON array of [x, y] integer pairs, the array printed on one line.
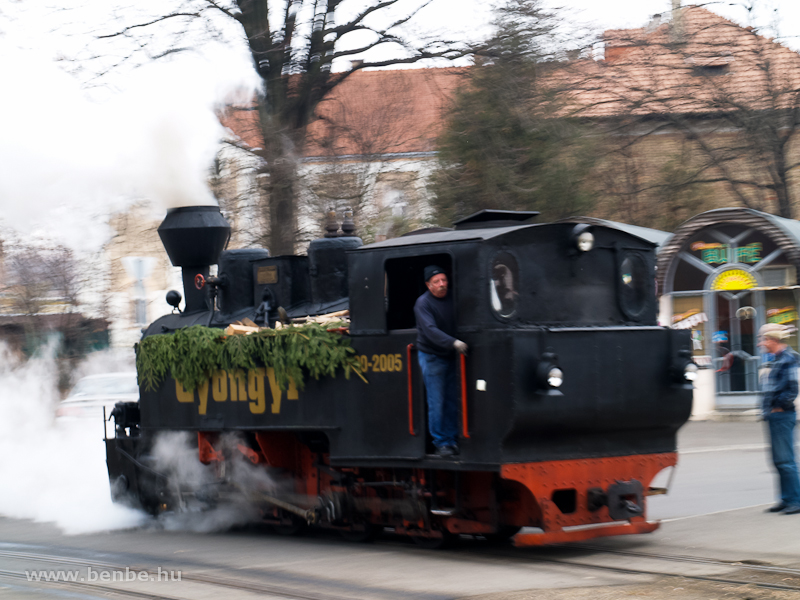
[[193, 354]]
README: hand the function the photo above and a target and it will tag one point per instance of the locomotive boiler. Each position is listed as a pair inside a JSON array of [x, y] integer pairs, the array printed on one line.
[[571, 394]]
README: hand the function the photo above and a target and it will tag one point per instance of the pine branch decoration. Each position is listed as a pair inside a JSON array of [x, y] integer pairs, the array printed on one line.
[[193, 354]]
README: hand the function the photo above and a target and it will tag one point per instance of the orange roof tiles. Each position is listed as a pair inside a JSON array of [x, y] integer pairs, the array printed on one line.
[[707, 64], [370, 113]]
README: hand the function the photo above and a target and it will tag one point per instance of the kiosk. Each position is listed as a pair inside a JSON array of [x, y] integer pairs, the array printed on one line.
[[723, 274]]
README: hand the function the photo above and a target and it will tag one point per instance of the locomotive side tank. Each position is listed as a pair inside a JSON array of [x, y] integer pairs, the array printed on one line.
[[571, 395]]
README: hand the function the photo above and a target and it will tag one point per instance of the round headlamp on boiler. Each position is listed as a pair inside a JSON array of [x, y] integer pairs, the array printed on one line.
[[548, 374], [582, 238]]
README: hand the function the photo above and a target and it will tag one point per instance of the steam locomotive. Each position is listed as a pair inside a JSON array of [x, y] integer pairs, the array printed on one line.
[[571, 394]]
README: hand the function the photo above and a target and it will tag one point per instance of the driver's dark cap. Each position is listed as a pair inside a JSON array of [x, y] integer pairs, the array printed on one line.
[[432, 270]]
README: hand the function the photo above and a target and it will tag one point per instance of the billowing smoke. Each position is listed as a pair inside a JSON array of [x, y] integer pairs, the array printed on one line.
[[51, 472], [111, 360], [68, 160], [56, 471], [206, 504]]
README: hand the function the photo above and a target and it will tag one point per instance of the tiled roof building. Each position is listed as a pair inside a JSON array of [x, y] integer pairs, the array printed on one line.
[[370, 147], [692, 99], [370, 112], [698, 99]]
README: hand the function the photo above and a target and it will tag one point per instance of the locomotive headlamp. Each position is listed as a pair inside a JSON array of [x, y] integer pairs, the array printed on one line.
[[585, 241], [690, 372], [555, 377], [582, 237], [548, 372], [174, 299]]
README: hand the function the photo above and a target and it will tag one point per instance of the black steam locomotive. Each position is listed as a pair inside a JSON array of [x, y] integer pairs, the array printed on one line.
[[571, 393]]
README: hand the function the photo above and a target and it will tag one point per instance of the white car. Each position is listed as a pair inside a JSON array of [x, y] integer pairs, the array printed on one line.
[[91, 394]]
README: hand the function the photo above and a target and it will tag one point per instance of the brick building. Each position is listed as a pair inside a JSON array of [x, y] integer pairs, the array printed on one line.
[[695, 99]]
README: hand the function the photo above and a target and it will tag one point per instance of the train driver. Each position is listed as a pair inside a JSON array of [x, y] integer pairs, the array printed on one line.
[[437, 347]]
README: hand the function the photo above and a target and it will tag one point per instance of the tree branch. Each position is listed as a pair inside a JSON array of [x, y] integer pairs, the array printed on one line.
[[153, 22]]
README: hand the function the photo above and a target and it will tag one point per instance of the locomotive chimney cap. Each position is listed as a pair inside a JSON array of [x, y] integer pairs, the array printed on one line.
[[194, 235]]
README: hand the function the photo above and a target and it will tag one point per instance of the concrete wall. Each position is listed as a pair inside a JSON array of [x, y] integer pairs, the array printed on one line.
[[705, 395]]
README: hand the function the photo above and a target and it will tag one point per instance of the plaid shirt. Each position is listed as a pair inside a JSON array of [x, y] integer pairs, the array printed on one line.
[[781, 388]]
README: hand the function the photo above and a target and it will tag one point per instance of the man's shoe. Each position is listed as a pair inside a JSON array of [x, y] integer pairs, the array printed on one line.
[[780, 507], [456, 449], [792, 510], [445, 452]]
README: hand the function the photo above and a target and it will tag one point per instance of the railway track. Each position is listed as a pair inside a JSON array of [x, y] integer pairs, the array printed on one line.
[[257, 589], [749, 566], [708, 578], [762, 576]]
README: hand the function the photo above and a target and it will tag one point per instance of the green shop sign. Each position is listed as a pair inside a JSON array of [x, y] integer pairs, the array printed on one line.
[[717, 253]]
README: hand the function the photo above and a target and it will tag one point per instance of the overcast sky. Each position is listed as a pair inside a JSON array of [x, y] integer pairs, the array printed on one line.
[[613, 14], [464, 16], [152, 133]]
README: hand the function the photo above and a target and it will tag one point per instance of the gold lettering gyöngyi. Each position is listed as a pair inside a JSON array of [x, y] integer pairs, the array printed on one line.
[[250, 388]]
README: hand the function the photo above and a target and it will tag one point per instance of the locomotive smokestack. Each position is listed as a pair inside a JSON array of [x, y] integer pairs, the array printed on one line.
[[193, 237]]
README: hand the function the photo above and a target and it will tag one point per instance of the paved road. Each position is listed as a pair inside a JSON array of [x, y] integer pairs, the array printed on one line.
[[722, 466], [714, 511]]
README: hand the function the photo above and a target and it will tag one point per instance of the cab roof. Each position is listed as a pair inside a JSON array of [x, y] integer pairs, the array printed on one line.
[[652, 236]]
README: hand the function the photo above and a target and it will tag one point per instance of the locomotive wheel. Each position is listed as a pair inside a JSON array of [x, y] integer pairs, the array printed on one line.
[[361, 536], [503, 534], [437, 543]]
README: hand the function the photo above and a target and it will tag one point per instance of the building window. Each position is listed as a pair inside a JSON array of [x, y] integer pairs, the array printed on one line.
[[688, 313], [140, 311]]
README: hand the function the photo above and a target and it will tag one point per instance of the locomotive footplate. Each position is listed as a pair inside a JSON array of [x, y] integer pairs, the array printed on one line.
[[587, 498]]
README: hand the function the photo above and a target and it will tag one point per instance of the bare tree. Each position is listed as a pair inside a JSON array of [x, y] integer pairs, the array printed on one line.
[[722, 97], [41, 293], [635, 189], [27, 287], [293, 44]]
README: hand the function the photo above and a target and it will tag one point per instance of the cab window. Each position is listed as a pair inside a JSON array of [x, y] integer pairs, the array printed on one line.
[[404, 283]]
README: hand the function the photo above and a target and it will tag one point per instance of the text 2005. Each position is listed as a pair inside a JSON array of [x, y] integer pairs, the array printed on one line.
[[381, 363]]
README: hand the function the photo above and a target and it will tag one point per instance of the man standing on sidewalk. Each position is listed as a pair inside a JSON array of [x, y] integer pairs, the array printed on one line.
[[436, 348], [780, 391]]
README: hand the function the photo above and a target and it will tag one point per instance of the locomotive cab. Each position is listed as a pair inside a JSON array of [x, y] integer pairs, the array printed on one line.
[[585, 314]]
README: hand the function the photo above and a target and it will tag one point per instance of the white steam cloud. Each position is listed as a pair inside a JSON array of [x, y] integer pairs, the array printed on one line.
[[176, 457], [66, 161], [49, 472], [56, 471]]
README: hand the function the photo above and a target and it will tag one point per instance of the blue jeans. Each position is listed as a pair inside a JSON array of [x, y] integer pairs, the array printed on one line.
[[781, 433], [441, 386]]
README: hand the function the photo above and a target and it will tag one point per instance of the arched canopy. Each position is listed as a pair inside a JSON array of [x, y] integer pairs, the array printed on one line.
[[729, 246]]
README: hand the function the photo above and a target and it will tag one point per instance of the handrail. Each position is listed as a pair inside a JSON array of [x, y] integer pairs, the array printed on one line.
[[409, 365], [464, 423]]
